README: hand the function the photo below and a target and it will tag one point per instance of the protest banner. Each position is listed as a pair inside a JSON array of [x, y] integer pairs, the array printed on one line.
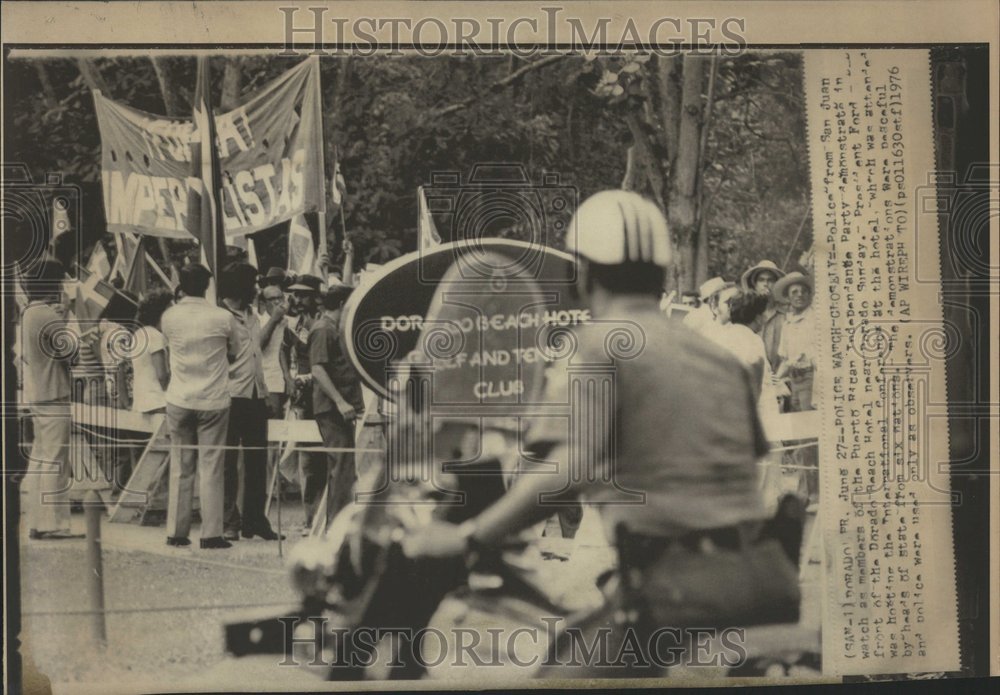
[[270, 152]]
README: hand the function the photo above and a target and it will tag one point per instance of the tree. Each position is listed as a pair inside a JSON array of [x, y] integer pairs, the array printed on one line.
[[721, 147], [678, 154]]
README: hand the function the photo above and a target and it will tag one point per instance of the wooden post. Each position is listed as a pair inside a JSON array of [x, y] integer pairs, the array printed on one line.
[[93, 507]]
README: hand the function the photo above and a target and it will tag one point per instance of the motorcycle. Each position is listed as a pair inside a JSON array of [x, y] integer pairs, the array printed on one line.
[[367, 609]]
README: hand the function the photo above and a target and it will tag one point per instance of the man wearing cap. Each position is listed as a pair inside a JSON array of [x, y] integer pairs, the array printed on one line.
[[761, 278], [703, 317], [304, 310]]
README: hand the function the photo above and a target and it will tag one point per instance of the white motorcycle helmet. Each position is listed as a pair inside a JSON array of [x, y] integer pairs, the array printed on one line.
[[616, 226]]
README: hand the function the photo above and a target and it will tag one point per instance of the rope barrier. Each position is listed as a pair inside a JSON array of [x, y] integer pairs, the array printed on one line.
[[144, 442], [159, 609], [789, 466]]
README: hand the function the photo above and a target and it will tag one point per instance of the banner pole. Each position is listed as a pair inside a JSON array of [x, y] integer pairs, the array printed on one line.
[[322, 250], [324, 258], [348, 272]]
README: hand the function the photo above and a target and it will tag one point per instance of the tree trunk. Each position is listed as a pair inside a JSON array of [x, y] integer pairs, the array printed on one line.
[[51, 101], [701, 261], [669, 90], [232, 79], [682, 199], [92, 76], [169, 89]]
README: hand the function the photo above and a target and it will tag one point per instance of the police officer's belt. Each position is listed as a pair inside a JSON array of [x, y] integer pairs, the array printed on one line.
[[643, 547]]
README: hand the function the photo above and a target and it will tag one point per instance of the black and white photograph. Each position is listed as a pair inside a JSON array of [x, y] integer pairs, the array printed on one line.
[[372, 346]]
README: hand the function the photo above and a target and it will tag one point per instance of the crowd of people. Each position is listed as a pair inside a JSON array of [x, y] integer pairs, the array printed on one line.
[[271, 348], [766, 320]]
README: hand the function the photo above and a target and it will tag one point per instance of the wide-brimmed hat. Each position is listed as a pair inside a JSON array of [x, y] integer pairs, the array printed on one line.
[[782, 286], [712, 287], [750, 276], [307, 283]]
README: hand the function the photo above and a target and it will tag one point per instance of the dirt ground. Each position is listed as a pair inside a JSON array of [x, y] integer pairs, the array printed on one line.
[[167, 607]]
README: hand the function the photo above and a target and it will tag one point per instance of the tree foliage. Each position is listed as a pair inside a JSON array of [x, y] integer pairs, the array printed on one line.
[[394, 121]]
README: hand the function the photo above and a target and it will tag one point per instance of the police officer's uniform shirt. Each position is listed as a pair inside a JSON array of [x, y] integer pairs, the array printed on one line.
[[681, 437]]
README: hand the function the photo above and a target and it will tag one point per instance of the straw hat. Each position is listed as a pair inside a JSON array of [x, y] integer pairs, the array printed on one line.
[[750, 276], [712, 287], [782, 286]]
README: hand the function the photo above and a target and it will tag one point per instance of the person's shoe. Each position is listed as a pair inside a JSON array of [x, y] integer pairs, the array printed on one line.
[[178, 541], [216, 543], [153, 517], [231, 535], [266, 534], [36, 535]]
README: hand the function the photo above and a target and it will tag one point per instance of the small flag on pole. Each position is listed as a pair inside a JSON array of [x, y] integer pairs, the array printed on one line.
[[338, 187], [301, 247], [136, 277], [252, 253], [91, 296], [98, 263], [427, 233]]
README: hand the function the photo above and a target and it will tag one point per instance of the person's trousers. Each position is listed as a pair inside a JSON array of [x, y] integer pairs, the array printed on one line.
[[196, 438], [800, 384], [275, 411], [48, 479], [333, 472], [805, 459], [248, 429]]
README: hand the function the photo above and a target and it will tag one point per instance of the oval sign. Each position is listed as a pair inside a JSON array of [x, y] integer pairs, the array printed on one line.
[[384, 318]]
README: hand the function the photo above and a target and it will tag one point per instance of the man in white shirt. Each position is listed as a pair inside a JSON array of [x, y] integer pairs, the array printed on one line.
[[761, 278], [703, 317], [200, 342], [273, 324], [797, 346], [46, 354], [797, 352]]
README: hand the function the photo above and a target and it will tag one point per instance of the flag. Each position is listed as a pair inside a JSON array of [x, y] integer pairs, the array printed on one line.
[[301, 247], [427, 233], [135, 275], [246, 243], [20, 296], [91, 296], [204, 184], [252, 253], [98, 262], [126, 245], [338, 187]]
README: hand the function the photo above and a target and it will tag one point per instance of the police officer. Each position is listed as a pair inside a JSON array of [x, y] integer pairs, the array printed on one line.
[[679, 446]]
